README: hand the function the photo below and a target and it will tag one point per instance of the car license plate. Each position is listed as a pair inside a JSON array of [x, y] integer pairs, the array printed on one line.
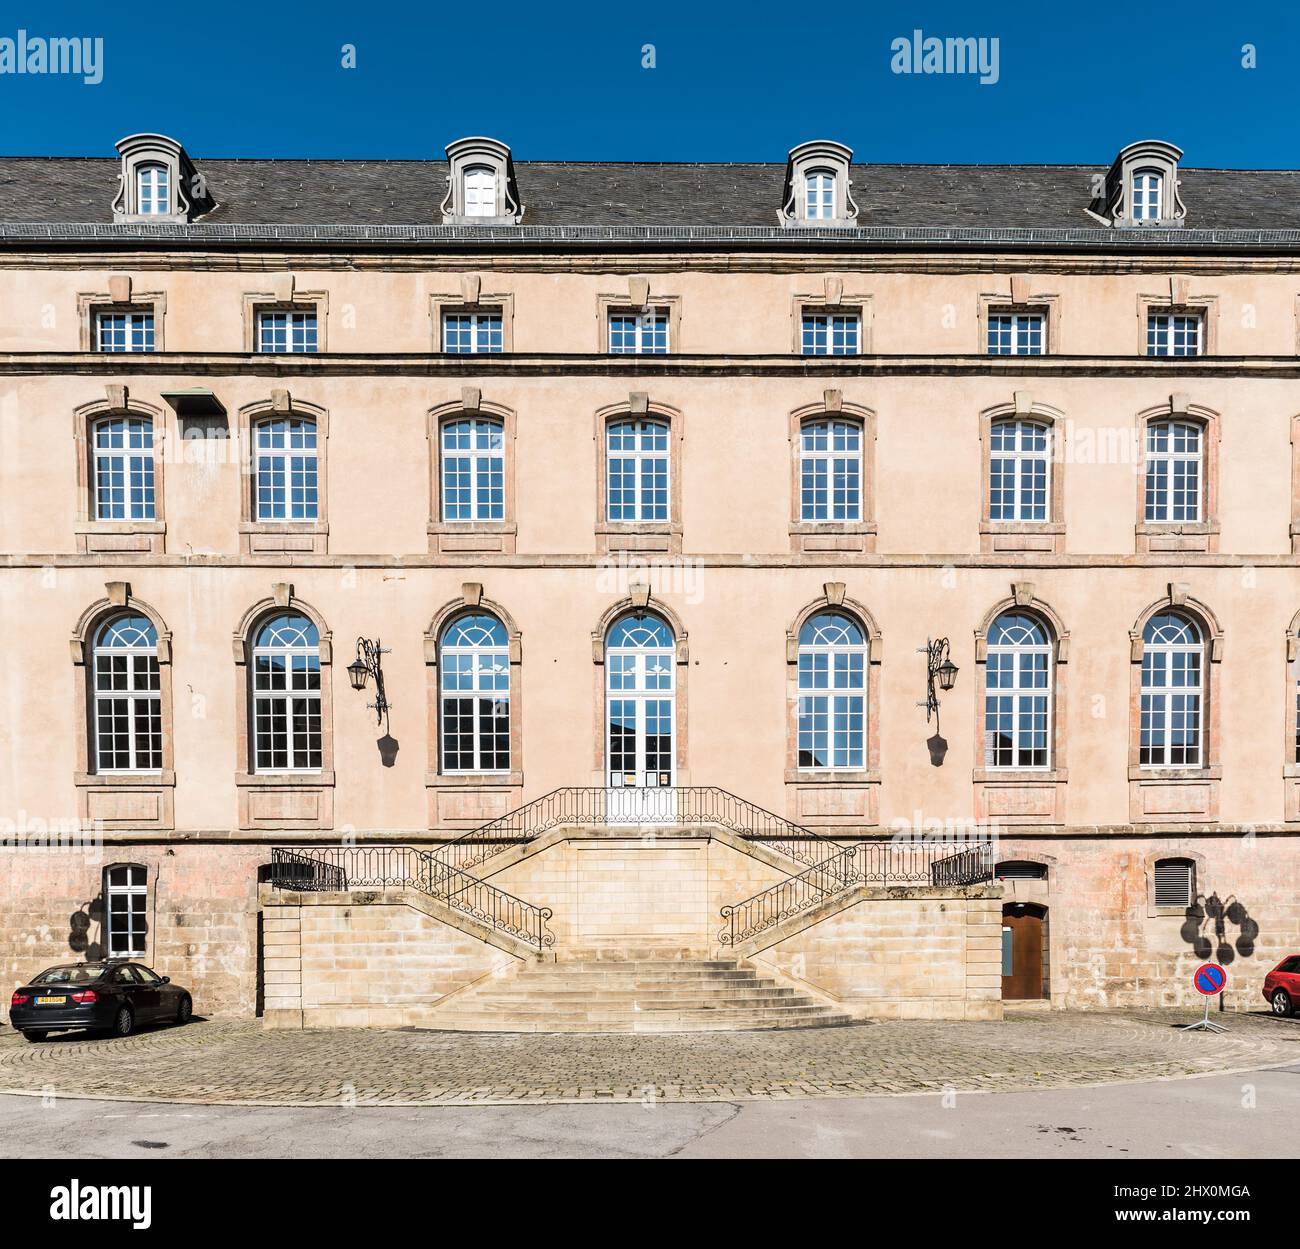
[[51, 1001]]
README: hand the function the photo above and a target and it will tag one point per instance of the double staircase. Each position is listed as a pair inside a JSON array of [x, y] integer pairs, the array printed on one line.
[[634, 995]]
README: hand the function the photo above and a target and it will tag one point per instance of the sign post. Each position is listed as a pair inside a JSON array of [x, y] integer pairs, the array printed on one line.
[[1208, 980]]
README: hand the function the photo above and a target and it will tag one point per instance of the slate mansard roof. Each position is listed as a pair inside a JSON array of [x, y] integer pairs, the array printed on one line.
[[47, 197]]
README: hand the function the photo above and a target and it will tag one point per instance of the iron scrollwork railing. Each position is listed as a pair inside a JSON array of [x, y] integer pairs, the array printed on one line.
[[334, 868], [867, 863], [678, 804]]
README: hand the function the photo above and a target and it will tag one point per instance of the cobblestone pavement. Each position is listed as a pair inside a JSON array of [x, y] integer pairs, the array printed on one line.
[[236, 1062]]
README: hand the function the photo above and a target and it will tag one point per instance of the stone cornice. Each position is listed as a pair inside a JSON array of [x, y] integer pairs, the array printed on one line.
[[421, 364]]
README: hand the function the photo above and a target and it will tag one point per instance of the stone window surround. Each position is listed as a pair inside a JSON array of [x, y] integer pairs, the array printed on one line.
[[262, 537], [1179, 301], [1145, 154], [832, 301], [1295, 485], [1039, 893], [318, 785], [858, 536], [1044, 536], [1200, 536], [111, 536], [285, 297], [660, 537], [640, 599], [1291, 765], [102, 898], [992, 783], [473, 299], [638, 300], [806, 158], [472, 600], [804, 783], [185, 185], [1198, 862], [120, 297], [449, 537], [467, 153], [1210, 773], [96, 791], [1020, 298]]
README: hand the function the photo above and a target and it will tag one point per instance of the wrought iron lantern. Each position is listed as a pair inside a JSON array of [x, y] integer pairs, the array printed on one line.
[[367, 664], [939, 668]]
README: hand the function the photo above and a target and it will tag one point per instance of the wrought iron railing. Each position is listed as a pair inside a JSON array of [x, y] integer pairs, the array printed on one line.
[[330, 868], [869, 863], [678, 804]]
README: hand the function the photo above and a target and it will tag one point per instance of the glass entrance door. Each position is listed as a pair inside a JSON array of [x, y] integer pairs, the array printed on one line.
[[640, 710]]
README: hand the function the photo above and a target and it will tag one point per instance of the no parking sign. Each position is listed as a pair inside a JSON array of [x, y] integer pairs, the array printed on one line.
[[1208, 980]]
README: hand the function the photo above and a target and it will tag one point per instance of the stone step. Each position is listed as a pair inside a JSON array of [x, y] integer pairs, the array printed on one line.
[[598, 966], [676, 1001], [634, 984], [485, 1023]]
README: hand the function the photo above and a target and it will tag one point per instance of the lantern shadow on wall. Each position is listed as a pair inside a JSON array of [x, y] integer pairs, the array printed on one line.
[[1206, 929]]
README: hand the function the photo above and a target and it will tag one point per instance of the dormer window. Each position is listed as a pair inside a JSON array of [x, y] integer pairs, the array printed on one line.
[[817, 186], [1147, 184], [1141, 187], [158, 182], [152, 194], [480, 192], [481, 186], [819, 195]]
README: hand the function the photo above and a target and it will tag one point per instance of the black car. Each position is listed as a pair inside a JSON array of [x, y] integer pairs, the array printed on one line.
[[113, 996]]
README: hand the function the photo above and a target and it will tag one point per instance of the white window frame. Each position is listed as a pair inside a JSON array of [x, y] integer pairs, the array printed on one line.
[[480, 332], [819, 194], [1027, 660], [831, 465], [1164, 328], [645, 460], [296, 320], [132, 885], [645, 326], [132, 463], [1161, 655], [281, 460], [480, 188], [141, 692], [1025, 460], [1148, 189], [488, 665], [282, 699], [1024, 327], [644, 677], [1166, 464], [829, 325], [841, 701], [153, 190], [132, 321], [483, 466]]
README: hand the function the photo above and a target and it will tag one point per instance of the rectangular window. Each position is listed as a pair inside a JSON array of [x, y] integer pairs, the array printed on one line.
[[1171, 708], [473, 470], [124, 331], [1019, 468], [123, 468], [286, 486], [1174, 334], [830, 471], [471, 332], [638, 333], [1173, 476], [286, 710], [126, 890], [287, 331], [637, 471], [831, 333], [832, 709], [1016, 708], [1015, 334]]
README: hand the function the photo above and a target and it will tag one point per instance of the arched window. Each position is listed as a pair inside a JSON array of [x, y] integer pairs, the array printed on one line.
[[153, 191], [637, 466], [123, 467], [832, 694], [1020, 869], [1173, 665], [286, 695], [1018, 693], [1175, 882], [127, 697], [1174, 471], [474, 659], [480, 191], [640, 675], [1148, 185], [1019, 470], [473, 469], [285, 486], [819, 195], [830, 470]]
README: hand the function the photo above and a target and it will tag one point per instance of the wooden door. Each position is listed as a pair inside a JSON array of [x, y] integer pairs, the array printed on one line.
[[1022, 953]]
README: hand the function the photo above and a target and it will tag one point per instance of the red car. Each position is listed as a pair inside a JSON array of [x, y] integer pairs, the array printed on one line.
[[1282, 986]]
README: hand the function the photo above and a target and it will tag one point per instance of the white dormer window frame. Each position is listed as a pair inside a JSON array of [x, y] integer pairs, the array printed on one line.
[[1142, 187], [818, 189], [158, 182], [481, 186]]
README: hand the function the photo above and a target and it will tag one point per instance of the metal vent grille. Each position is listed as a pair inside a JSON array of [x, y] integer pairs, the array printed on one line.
[[1020, 869], [1175, 881]]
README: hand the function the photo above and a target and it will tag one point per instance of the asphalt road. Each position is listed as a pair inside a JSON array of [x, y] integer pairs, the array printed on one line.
[[1251, 1115]]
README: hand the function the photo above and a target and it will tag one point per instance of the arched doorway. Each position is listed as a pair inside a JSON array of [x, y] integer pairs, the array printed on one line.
[[1024, 943], [640, 718]]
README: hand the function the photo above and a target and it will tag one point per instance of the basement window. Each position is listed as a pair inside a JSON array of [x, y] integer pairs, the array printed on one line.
[[1175, 882]]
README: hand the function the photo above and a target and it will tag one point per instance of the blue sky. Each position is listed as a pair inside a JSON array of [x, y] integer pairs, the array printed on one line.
[[731, 82]]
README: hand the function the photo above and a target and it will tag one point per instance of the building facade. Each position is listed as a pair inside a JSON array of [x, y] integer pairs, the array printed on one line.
[[650, 479]]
